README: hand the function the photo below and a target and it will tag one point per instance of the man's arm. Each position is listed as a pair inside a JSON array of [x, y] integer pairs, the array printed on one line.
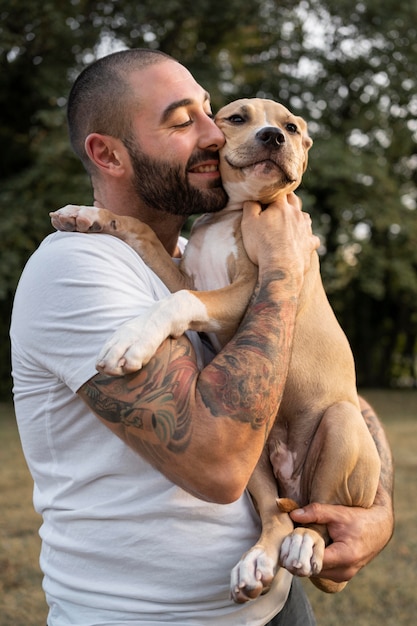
[[206, 430], [358, 534]]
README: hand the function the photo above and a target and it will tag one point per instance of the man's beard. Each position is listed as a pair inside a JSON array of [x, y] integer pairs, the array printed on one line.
[[164, 187]]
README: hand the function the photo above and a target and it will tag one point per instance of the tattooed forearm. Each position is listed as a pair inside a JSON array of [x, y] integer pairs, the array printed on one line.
[[258, 358], [152, 404]]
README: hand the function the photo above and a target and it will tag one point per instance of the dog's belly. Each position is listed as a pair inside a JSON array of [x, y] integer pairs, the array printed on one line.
[[212, 250]]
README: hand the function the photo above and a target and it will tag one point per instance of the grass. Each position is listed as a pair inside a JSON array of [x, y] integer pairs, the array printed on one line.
[[382, 593], [21, 598]]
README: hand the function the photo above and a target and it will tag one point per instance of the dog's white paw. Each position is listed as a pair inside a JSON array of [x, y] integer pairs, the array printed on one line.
[[122, 355], [253, 575], [74, 218], [131, 347], [302, 552]]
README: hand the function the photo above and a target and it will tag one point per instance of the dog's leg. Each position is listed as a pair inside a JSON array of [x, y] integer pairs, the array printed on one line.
[[137, 340], [255, 571], [137, 234], [342, 467]]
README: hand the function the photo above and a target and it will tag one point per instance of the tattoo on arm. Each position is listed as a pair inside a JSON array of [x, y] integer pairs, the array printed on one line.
[[259, 364], [152, 404], [152, 409]]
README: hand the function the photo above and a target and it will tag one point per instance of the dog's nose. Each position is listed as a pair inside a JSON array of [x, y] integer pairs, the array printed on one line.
[[271, 135]]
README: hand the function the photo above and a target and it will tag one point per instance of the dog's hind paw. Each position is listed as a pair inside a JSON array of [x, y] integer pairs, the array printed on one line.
[[252, 576], [302, 552]]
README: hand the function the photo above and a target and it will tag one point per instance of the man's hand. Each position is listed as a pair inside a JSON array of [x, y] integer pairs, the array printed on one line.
[[358, 534], [279, 237]]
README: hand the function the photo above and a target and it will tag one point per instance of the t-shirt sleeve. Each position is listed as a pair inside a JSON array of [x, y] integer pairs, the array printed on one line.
[[76, 290]]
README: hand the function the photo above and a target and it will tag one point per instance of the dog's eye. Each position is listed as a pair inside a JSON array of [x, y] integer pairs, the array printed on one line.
[[292, 128], [236, 119]]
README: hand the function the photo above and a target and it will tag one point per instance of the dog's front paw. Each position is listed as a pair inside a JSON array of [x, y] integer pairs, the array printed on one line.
[[130, 348], [253, 575], [302, 552], [136, 341]]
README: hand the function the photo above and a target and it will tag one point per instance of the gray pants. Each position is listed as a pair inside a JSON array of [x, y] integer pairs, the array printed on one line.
[[297, 610]]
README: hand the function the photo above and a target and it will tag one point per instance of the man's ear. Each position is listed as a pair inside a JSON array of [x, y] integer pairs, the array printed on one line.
[[106, 153]]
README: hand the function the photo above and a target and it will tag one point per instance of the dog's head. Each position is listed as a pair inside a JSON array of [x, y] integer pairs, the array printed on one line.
[[266, 148]]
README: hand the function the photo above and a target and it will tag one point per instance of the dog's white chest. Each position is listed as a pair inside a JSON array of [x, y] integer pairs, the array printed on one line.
[[210, 251]]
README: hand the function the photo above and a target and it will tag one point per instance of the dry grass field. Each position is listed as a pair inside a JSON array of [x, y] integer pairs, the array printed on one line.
[[383, 593]]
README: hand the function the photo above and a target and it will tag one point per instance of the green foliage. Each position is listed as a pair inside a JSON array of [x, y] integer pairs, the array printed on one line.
[[349, 68]]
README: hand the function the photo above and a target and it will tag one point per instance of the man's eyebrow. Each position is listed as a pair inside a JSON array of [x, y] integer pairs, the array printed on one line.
[[178, 104]]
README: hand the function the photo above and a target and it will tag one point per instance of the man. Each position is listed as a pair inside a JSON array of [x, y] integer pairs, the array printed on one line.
[[147, 533]]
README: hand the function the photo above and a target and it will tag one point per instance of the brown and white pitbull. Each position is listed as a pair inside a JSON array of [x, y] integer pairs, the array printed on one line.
[[319, 449]]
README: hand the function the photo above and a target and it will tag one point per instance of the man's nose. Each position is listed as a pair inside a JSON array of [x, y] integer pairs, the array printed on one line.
[[213, 136]]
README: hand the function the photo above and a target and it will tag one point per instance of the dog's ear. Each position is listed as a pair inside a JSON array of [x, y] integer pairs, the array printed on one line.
[[307, 143]]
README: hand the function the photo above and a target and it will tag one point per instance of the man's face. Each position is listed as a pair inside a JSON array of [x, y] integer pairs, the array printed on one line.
[[174, 143], [165, 186]]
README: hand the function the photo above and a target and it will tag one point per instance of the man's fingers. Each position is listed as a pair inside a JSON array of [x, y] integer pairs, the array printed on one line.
[[295, 201], [336, 565], [316, 513], [251, 209]]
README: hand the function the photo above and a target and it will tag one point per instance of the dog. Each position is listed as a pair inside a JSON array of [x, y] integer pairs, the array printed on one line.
[[319, 448]]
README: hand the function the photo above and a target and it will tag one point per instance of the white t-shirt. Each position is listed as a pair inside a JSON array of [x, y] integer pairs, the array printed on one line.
[[121, 544]]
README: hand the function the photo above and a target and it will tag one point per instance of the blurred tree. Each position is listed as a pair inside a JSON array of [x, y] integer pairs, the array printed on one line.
[[363, 179], [349, 69]]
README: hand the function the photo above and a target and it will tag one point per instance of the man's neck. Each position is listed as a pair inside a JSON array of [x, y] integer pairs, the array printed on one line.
[[167, 227]]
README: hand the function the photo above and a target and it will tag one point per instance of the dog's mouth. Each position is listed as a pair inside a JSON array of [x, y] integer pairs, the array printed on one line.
[[265, 168]]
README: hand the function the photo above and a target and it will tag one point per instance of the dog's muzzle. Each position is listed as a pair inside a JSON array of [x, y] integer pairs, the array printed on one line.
[[270, 136]]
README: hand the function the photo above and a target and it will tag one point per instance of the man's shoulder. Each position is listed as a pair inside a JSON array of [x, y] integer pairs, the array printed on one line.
[[60, 241], [80, 249], [72, 261]]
